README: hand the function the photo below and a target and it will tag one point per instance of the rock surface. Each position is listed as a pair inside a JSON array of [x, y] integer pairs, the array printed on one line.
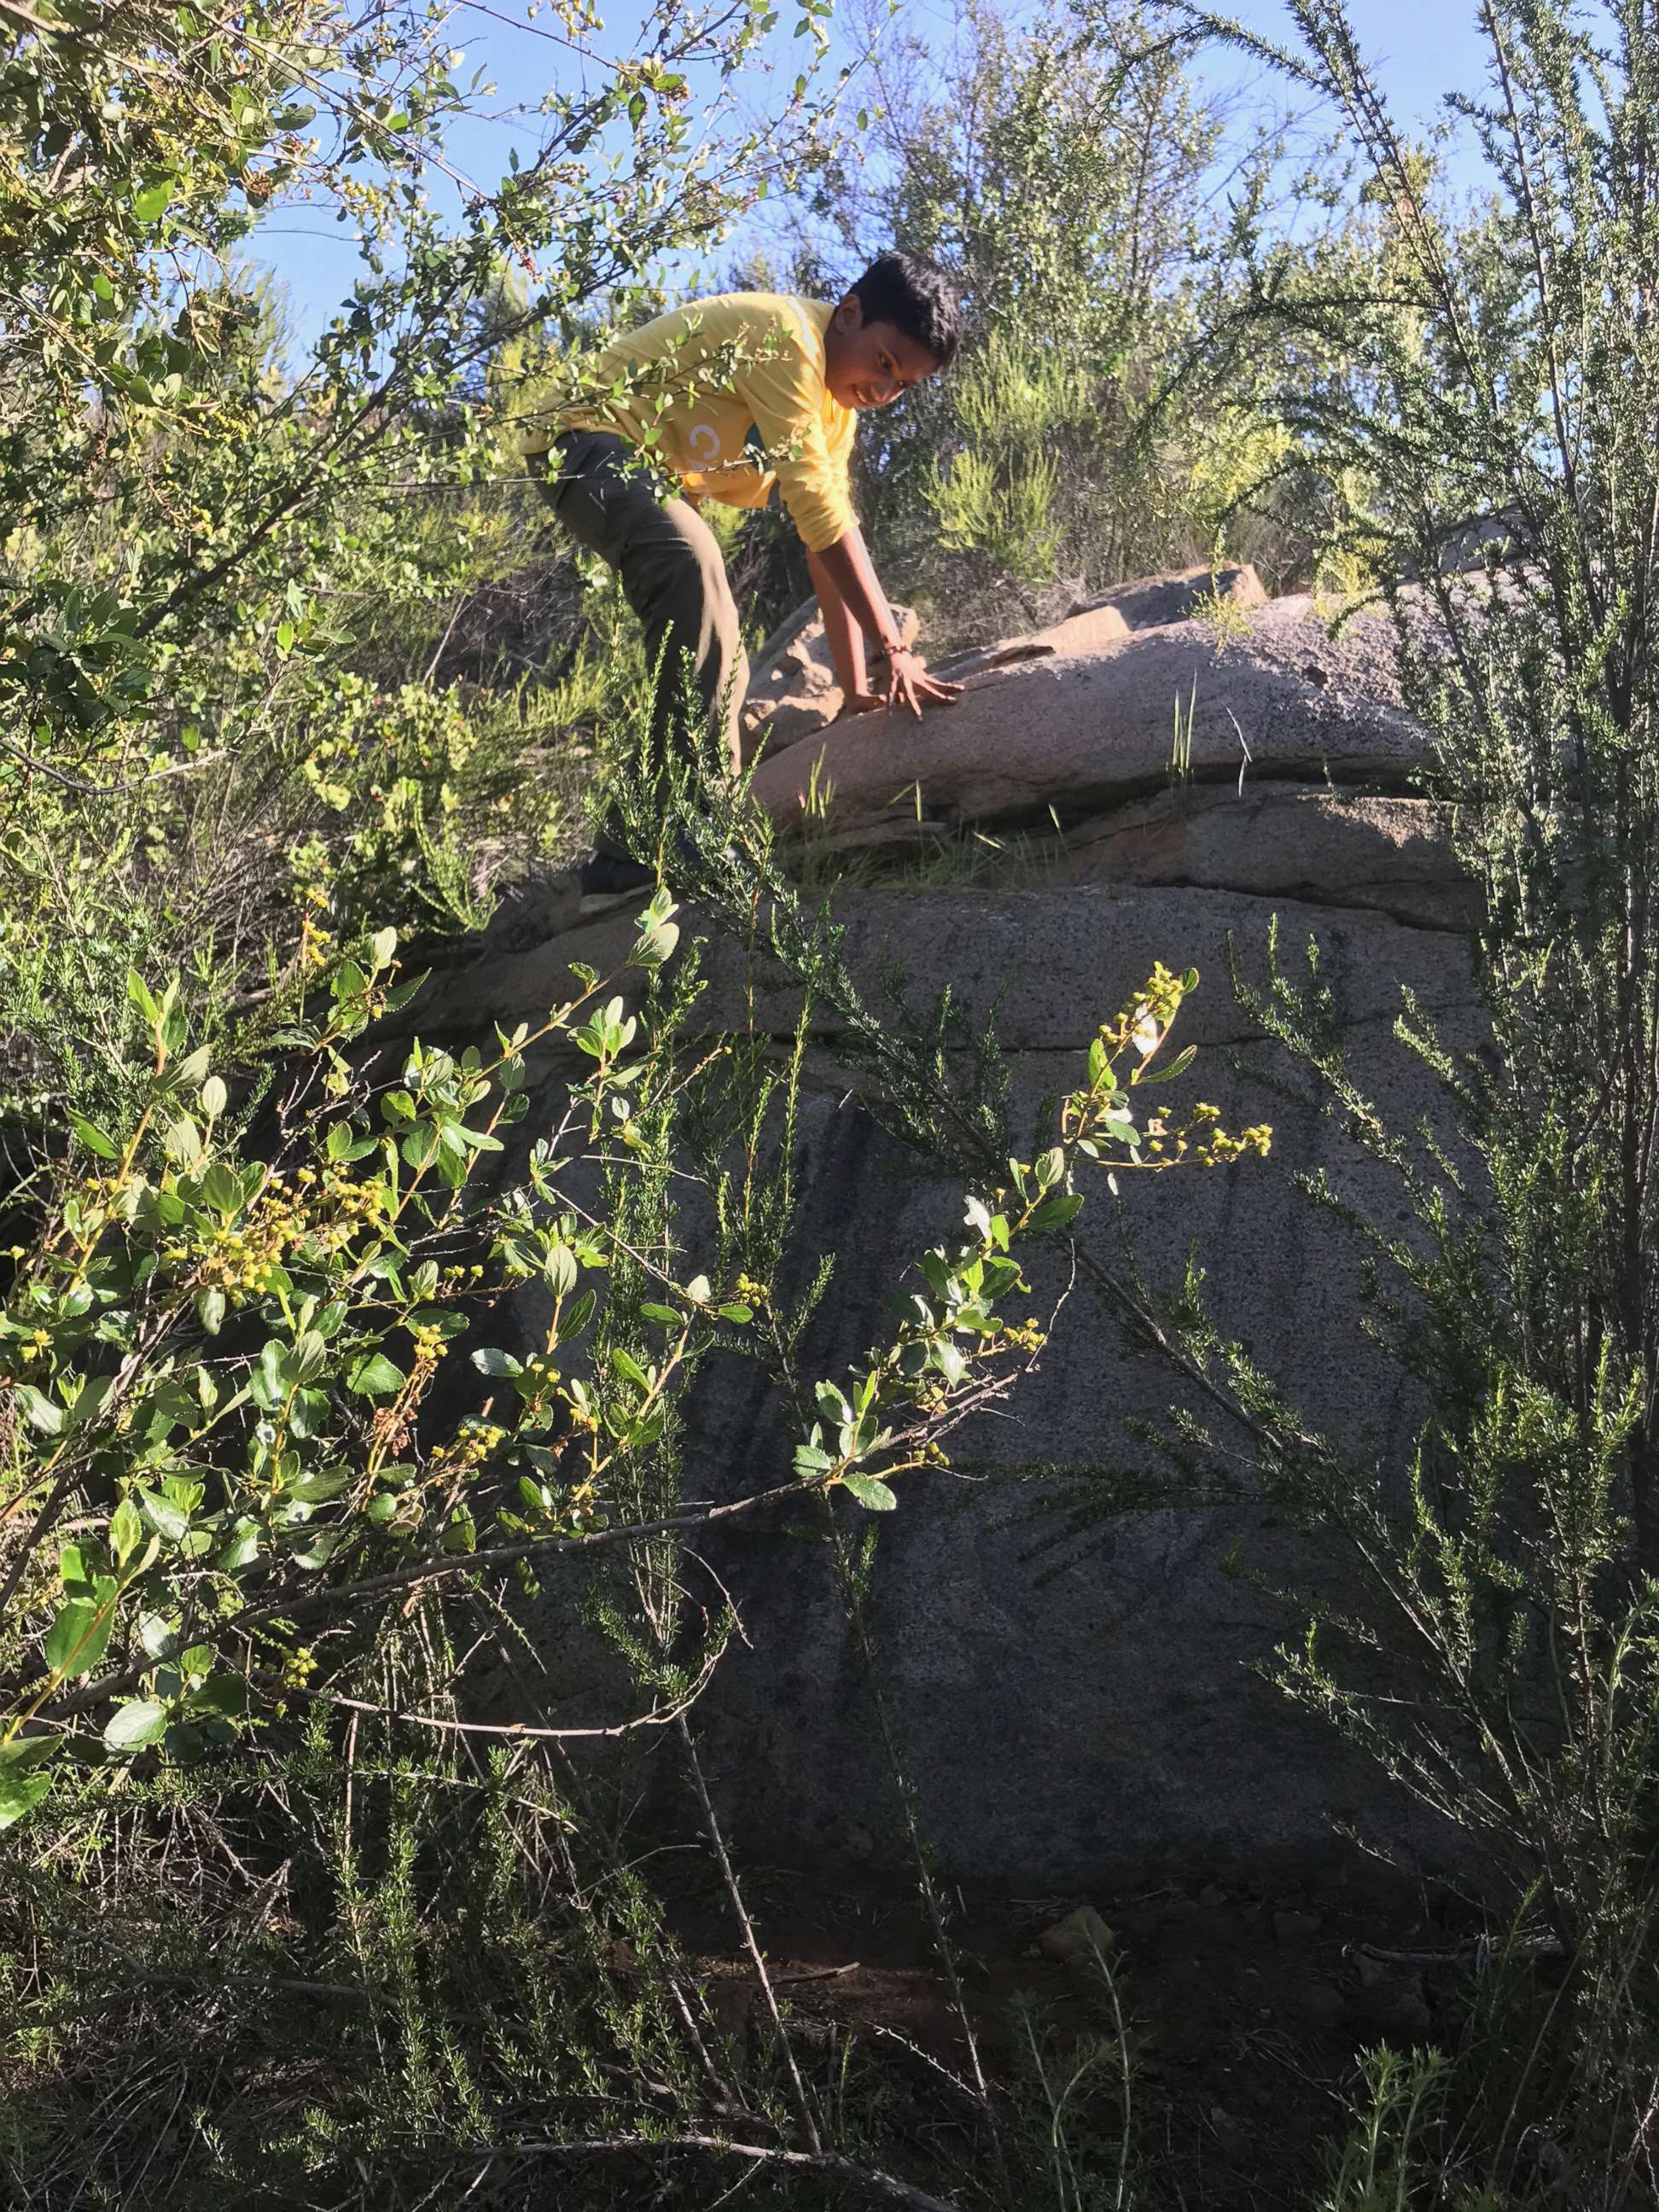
[[1086, 629], [1152, 601], [1098, 623], [1279, 839], [1078, 730]]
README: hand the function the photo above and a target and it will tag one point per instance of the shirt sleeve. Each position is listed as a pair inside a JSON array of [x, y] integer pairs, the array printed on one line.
[[784, 391]]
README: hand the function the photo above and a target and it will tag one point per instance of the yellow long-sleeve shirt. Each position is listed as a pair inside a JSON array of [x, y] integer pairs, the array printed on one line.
[[729, 393]]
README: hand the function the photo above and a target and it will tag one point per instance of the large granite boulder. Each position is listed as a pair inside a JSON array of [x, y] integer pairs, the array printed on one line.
[[1275, 693], [1071, 1708], [792, 692]]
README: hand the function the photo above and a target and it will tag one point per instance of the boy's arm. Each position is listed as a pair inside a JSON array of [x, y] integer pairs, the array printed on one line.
[[844, 639], [847, 566]]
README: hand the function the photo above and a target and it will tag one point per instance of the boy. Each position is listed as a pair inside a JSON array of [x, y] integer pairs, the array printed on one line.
[[733, 394]]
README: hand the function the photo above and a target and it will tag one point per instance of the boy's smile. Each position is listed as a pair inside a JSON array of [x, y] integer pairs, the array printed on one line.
[[871, 364]]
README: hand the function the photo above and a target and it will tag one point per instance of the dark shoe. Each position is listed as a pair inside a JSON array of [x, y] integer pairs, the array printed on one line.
[[604, 879]]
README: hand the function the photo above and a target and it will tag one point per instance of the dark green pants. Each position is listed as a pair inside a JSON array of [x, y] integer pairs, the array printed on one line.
[[672, 575]]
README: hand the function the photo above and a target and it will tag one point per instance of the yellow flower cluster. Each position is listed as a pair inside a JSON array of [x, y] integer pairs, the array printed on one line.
[[309, 1216], [467, 1450], [1219, 1148], [1205, 1139], [1145, 1019]]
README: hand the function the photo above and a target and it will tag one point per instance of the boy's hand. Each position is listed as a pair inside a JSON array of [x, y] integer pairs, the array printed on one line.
[[909, 685]]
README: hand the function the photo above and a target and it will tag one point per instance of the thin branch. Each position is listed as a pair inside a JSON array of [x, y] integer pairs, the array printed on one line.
[[20, 14], [885, 2188], [36, 766], [659, 1717], [425, 1571], [717, 1844]]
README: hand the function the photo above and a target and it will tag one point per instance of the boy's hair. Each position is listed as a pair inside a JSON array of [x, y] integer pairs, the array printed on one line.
[[916, 298]]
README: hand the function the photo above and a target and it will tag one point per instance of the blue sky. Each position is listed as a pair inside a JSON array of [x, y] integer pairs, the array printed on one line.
[[1422, 48]]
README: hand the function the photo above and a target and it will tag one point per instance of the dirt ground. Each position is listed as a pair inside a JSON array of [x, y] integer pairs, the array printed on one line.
[[1245, 1999]]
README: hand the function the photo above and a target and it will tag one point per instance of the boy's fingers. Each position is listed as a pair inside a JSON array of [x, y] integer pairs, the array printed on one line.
[[914, 690]]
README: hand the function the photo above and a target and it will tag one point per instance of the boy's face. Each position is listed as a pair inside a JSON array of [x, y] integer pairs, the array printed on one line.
[[870, 364]]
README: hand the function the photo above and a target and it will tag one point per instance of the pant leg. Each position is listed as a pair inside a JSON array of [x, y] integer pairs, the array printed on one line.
[[672, 575]]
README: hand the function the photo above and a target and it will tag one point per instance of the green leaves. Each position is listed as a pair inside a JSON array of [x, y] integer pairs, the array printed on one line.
[[168, 1520], [141, 1720], [874, 1496], [658, 933], [376, 1376], [22, 1783], [308, 1358], [93, 1138], [1168, 1071], [42, 1414], [77, 1639], [629, 1368], [269, 1380], [152, 203], [126, 1530], [607, 1033]]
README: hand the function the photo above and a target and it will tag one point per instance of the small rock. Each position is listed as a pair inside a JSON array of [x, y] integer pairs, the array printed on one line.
[[1393, 2009], [1291, 1926], [1172, 596], [1211, 1896], [1228, 2132], [1075, 1941], [1322, 2004]]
